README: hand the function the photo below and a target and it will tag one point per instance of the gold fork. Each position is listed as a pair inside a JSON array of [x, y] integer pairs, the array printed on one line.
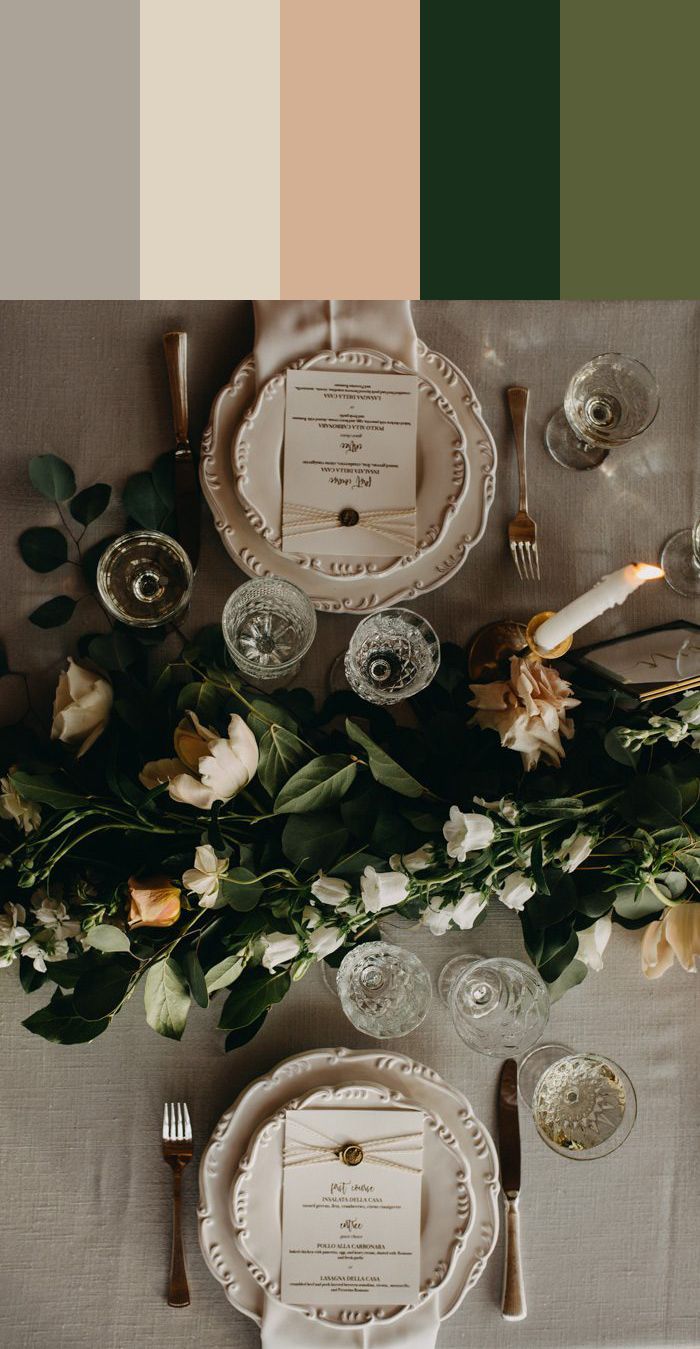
[[177, 1151], [522, 530]]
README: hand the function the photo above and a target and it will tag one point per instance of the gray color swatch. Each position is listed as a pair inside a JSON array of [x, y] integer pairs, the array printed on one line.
[[69, 163]]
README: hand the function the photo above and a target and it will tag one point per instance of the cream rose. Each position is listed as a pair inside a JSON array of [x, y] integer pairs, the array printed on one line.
[[528, 710], [208, 767], [81, 708]]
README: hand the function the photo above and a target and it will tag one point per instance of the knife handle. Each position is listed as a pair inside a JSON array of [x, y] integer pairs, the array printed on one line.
[[513, 1306], [175, 345]]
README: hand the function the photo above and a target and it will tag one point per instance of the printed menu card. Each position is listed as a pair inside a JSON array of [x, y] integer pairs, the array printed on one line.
[[350, 464], [351, 1207]]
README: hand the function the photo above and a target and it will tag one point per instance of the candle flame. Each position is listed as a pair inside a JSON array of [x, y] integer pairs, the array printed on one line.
[[646, 571]]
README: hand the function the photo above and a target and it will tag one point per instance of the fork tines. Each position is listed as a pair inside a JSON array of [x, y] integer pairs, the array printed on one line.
[[526, 559], [176, 1123]]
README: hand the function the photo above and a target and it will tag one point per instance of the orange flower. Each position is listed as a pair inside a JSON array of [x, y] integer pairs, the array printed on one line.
[[155, 901]]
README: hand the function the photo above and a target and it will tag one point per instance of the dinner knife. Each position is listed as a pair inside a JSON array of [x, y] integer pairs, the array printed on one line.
[[186, 484], [513, 1305]]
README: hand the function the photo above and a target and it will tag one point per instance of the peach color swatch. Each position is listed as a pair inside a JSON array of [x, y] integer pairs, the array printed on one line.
[[349, 148]]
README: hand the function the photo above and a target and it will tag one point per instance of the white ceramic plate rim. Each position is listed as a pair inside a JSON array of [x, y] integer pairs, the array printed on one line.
[[352, 595], [464, 1200], [253, 425], [393, 1070]]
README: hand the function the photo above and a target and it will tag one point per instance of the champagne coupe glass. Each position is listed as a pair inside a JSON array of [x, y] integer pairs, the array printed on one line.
[[680, 560], [499, 1006], [268, 627], [583, 1104], [144, 579], [392, 655], [384, 990], [608, 402]]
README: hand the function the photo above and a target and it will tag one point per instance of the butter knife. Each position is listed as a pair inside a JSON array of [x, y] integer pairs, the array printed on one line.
[[186, 484], [513, 1305]]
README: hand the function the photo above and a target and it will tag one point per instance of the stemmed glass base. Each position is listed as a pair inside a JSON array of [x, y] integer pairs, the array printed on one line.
[[680, 563], [567, 448]]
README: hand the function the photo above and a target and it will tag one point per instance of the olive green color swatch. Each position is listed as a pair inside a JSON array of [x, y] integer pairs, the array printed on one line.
[[630, 115]]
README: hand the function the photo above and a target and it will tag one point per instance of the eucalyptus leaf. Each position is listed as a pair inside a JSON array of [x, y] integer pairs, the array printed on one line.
[[314, 841], [241, 889], [267, 713], [619, 752], [254, 992], [143, 503], [557, 954], [651, 801], [43, 548], [236, 1038], [91, 503], [47, 790], [115, 650], [106, 937], [574, 974], [101, 991], [202, 697], [383, 768], [166, 999], [281, 753], [52, 476], [195, 978], [630, 902], [317, 785], [53, 613], [224, 973], [60, 1023]]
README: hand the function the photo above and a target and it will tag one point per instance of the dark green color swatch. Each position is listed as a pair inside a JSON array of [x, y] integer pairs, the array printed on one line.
[[630, 184], [490, 149]]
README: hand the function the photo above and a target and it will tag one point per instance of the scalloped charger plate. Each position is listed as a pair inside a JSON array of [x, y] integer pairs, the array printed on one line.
[[442, 467], [366, 592], [447, 1204], [407, 1082]]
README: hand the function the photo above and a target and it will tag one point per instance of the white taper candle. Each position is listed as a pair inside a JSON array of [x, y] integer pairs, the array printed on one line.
[[611, 590]]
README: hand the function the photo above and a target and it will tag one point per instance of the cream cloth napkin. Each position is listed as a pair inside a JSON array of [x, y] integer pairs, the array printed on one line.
[[285, 1328], [286, 330]]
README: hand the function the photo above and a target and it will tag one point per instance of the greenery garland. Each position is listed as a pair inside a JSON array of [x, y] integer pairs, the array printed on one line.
[[189, 832]]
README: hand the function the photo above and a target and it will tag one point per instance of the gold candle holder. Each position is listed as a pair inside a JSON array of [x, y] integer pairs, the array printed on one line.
[[497, 642]]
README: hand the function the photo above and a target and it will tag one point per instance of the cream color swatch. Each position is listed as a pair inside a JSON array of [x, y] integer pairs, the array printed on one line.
[[210, 149]]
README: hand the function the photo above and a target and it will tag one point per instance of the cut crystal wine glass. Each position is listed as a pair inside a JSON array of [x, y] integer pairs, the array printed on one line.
[[268, 627], [144, 579], [680, 560], [583, 1104], [384, 990], [608, 402], [499, 1006], [392, 655]]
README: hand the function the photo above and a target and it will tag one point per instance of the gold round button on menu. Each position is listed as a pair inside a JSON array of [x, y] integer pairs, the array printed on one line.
[[351, 1154]]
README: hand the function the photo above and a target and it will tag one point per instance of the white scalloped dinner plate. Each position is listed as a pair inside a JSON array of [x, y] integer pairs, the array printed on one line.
[[447, 1205], [442, 468], [357, 593], [406, 1081]]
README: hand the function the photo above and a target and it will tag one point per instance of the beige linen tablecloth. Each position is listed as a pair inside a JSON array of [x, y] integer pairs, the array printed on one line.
[[610, 1247]]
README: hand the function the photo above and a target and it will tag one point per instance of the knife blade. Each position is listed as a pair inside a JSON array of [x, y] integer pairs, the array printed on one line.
[[513, 1304], [186, 483]]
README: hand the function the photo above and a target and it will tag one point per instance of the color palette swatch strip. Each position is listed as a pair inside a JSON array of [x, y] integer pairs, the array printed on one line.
[[499, 149]]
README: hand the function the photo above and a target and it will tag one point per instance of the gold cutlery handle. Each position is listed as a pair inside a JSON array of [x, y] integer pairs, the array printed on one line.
[[175, 345], [178, 1290], [517, 402], [513, 1306]]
